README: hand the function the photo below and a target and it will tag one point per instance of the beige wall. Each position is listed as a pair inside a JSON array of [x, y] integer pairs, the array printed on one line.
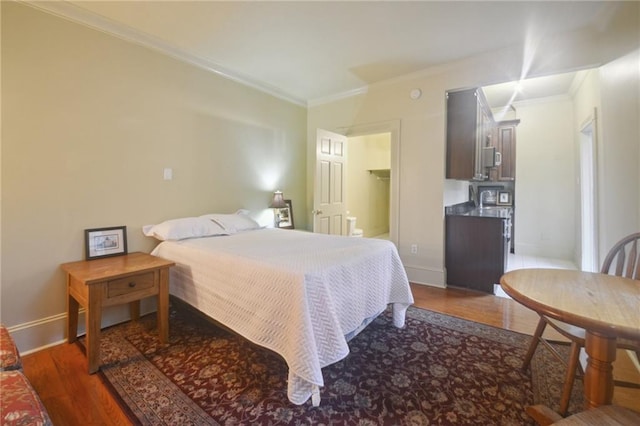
[[422, 188], [89, 121], [619, 150], [368, 195], [545, 212], [613, 91], [548, 203]]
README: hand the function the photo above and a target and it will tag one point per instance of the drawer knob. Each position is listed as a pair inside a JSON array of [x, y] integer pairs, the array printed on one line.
[[132, 284]]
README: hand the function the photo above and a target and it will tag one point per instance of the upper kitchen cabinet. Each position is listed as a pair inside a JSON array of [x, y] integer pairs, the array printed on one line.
[[469, 128], [504, 140]]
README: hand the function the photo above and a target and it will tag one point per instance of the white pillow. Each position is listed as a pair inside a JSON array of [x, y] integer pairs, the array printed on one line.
[[183, 228], [233, 223]]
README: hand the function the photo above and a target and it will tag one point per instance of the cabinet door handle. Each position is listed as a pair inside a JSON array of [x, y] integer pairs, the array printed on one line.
[[132, 284]]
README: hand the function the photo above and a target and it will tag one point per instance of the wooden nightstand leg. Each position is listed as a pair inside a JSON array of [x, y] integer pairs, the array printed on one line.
[[163, 306], [134, 310], [72, 318], [93, 321]]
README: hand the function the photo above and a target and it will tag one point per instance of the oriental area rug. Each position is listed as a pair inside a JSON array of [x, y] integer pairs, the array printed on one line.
[[437, 370]]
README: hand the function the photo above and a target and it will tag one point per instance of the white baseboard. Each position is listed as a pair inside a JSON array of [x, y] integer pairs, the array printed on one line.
[[498, 291], [42, 333], [544, 250], [34, 336], [424, 276]]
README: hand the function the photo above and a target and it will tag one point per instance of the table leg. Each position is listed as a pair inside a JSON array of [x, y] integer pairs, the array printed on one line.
[[163, 306], [598, 376], [93, 322], [134, 310], [72, 318]]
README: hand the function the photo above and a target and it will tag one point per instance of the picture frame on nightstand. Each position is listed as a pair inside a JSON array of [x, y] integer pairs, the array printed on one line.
[[105, 242], [504, 198], [286, 216]]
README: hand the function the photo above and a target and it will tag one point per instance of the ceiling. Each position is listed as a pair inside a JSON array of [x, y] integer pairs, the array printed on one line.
[[506, 94], [310, 51]]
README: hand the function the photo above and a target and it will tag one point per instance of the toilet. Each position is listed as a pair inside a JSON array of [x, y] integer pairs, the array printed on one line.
[[352, 231]]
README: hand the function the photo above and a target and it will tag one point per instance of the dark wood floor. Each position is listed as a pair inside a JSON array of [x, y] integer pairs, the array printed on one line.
[[73, 397]]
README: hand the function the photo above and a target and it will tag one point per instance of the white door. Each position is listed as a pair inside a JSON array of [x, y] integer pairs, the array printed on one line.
[[329, 207]]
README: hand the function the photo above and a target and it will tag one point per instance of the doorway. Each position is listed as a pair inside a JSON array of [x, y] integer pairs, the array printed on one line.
[[392, 128], [588, 235], [369, 184]]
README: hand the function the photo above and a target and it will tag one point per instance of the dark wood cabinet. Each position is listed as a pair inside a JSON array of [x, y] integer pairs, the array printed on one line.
[[469, 128], [504, 140], [476, 251]]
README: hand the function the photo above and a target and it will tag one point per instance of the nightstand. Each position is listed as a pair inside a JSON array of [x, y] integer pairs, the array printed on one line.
[[109, 281]]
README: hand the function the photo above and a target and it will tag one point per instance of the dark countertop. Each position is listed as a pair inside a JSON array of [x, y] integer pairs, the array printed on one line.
[[469, 209]]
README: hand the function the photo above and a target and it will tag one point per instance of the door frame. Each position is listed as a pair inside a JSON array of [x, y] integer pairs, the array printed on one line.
[[392, 127], [587, 154]]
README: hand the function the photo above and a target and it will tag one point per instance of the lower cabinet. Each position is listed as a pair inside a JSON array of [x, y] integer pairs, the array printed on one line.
[[476, 251]]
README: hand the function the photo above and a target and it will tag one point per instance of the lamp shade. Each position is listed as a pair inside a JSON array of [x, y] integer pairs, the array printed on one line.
[[278, 201]]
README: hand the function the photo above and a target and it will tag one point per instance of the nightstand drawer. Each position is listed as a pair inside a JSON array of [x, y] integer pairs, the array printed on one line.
[[130, 285]]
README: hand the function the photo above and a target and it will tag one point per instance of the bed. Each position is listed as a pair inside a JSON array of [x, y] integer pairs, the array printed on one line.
[[299, 294]]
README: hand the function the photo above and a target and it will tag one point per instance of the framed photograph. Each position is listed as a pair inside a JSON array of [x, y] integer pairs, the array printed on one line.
[[104, 242], [504, 198], [286, 216]]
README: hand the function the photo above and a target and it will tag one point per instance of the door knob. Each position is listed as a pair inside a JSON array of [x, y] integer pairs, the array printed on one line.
[[317, 212]]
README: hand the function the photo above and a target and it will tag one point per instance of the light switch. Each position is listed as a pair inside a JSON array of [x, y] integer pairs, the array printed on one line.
[[168, 174]]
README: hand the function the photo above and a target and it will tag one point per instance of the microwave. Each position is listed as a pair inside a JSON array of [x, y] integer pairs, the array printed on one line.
[[490, 158]]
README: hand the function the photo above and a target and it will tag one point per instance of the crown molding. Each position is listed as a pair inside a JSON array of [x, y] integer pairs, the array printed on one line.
[[538, 101], [338, 96], [74, 13]]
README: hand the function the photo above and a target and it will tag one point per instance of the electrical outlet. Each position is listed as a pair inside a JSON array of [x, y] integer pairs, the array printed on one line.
[[414, 249]]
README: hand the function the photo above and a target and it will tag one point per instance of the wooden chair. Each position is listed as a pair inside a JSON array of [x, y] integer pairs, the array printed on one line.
[[626, 254], [606, 415]]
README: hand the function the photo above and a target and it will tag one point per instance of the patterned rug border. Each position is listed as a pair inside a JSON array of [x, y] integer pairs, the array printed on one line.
[[182, 411], [116, 395], [176, 406]]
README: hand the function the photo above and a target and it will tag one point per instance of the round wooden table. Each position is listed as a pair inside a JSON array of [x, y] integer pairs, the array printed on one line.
[[606, 306]]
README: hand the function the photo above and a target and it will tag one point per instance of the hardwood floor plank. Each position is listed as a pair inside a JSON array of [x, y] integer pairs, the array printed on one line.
[[481, 307], [73, 397], [103, 402]]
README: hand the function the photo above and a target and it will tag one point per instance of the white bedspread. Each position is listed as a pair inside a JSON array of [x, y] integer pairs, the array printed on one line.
[[296, 293]]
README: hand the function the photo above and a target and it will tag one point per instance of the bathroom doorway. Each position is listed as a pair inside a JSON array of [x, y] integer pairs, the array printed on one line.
[[368, 183], [384, 163]]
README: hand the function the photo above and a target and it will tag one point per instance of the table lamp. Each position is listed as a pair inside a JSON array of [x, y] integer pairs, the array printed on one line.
[[277, 203]]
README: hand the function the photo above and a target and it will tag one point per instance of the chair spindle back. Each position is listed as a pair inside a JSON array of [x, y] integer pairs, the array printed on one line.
[[627, 258]]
